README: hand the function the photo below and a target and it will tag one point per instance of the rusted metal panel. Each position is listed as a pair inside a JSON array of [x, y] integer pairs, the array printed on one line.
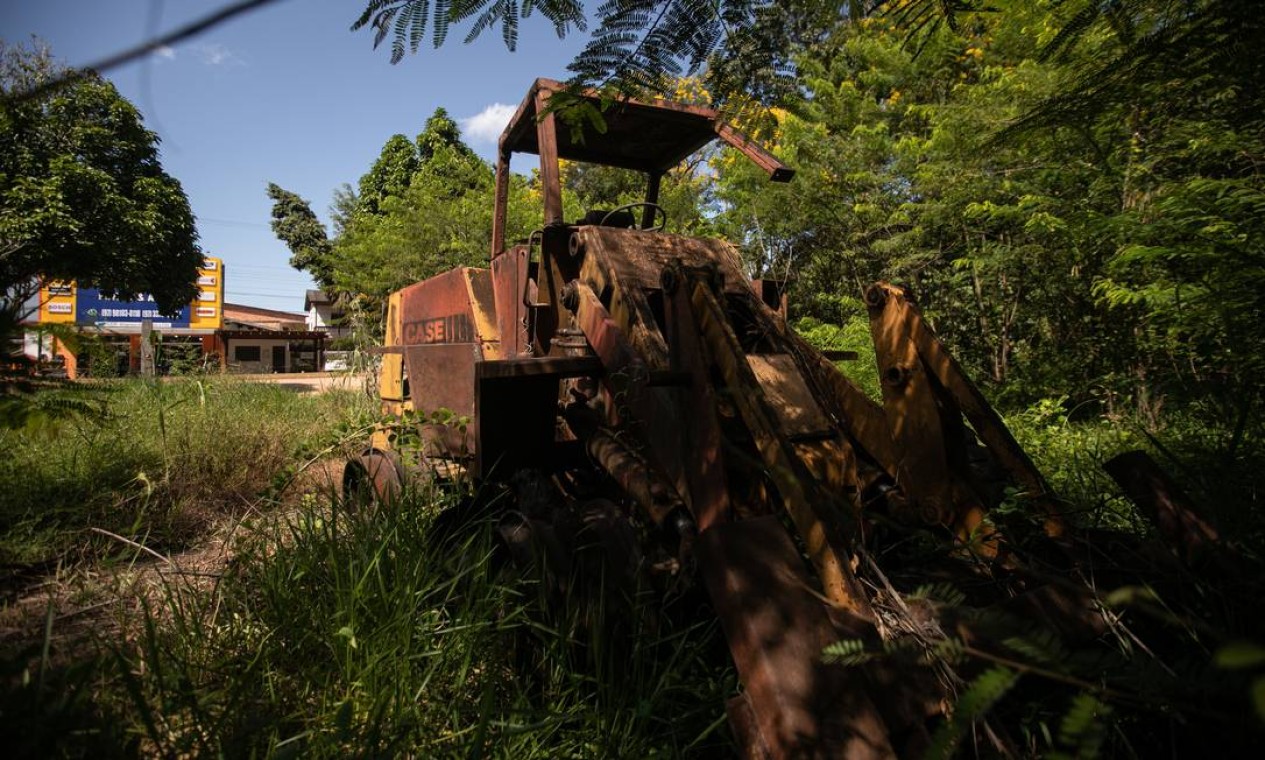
[[832, 463], [500, 203], [746, 732], [859, 416], [437, 310], [654, 411], [391, 378], [652, 199], [440, 379], [777, 628], [648, 136], [788, 395], [777, 171], [483, 311], [509, 283], [921, 465], [606, 270], [547, 148], [772, 293], [605, 335], [703, 456], [914, 365], [627, 466], [637, 259], [439, 376], [1167, 506]]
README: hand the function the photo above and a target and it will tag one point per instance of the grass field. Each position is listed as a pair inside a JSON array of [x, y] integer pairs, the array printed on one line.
[[158, 462], [323, 629]]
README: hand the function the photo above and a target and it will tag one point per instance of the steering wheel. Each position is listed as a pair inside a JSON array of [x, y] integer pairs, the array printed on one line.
[[642, 205]]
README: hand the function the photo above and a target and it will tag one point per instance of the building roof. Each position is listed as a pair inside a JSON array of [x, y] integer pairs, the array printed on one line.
[[315, 297], [263, 319]]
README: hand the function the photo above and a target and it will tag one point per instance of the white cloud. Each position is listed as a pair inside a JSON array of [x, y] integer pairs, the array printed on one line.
[[165, 52], [215, 54], [487, 125]]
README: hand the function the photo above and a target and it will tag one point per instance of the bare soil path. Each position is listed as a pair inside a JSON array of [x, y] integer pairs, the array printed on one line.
[[312, 382], [76, 605]]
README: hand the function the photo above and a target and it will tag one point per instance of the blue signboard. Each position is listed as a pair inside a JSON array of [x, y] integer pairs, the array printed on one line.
[[92, 308]]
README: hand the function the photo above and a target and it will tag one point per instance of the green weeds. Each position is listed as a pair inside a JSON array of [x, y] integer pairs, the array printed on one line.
[[352, 632], [156, 462]]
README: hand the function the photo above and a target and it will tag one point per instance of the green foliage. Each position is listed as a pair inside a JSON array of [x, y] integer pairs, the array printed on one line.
[[1018, 682], [440, 133], [848, 652], [972, 705], [443, 219], [852, 335], [360, 632], [390, 175], [82, 193], [39, 408], [406, 20], [296, 225], [1070, 453], [1084, 725], [153, 461], [1111, 257], [424, 207]]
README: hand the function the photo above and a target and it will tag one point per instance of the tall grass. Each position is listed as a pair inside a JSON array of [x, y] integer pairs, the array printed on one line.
[[162, 461], [340, 631], [1223, 473], [350, 633]]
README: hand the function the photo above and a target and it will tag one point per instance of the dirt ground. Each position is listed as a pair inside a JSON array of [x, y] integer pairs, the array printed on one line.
[[73, 600], [312, 382], [74, 605]]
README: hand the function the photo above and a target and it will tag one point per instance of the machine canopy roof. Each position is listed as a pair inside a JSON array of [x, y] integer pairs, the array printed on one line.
[[648, 137]]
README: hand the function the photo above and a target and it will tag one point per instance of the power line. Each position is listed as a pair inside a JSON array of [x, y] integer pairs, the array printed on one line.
[[260, 266], [273, 294], [118, 59], [232, 223]]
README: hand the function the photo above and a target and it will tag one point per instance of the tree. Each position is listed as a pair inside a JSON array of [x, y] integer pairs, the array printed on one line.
[[389, 175], [82, 193], [424, 207], [442, 219], [440, 132], [1108, 252], [294, 223]]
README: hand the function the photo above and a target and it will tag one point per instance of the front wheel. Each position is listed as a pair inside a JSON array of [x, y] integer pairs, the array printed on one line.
[[374, 476]]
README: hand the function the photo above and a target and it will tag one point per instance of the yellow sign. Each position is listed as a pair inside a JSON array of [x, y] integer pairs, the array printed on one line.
[[207, 310], [57, 303]]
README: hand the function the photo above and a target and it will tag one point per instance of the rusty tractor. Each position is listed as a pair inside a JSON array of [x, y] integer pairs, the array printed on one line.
[[611, 346]]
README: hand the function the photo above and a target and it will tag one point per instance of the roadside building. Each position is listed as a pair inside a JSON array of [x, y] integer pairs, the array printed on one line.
[[206, 333], [263, 340], [324, 315]]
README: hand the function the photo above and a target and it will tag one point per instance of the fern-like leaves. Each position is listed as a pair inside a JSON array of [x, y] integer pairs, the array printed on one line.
[[406, 21], [1215, 42], [971, 706]]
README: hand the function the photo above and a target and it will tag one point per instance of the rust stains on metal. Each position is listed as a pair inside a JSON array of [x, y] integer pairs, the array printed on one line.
[[776, 628]]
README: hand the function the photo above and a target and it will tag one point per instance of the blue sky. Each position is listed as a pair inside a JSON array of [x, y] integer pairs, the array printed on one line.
[[285, 94]]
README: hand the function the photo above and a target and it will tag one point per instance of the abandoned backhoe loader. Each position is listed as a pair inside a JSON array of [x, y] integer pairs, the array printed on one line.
[[611, 346]]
